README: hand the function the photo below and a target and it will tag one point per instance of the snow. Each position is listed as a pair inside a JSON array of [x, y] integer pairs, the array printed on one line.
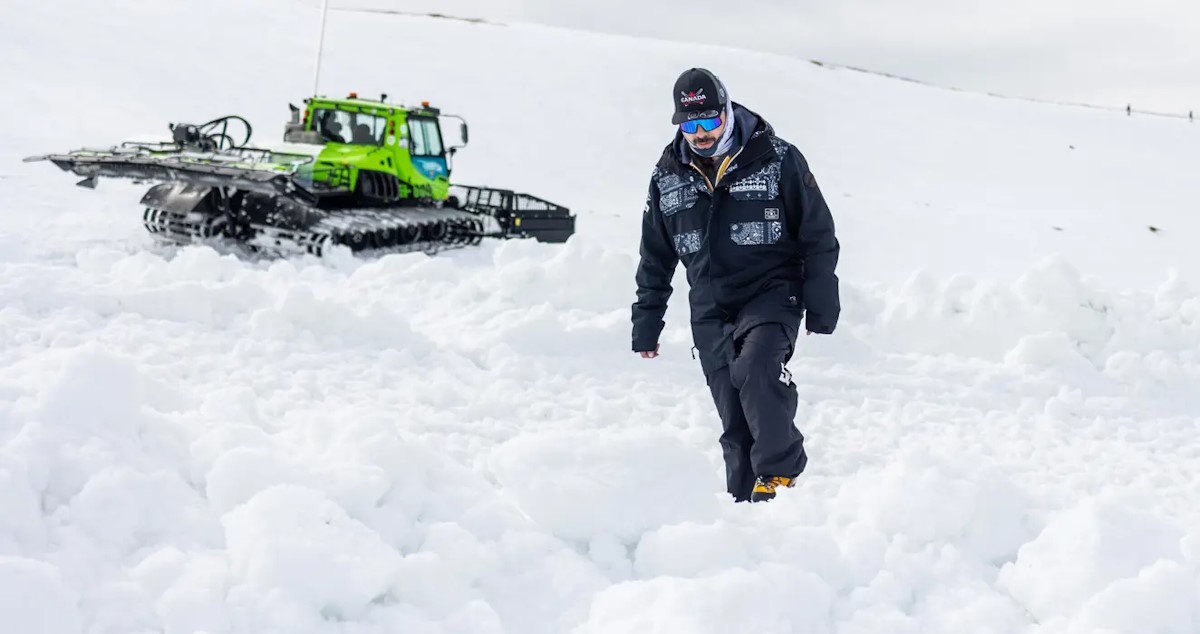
[[1004, 432], [1108, 55], [35, 598]]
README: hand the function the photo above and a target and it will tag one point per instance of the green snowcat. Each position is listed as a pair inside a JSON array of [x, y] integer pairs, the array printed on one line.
[[368, 175]]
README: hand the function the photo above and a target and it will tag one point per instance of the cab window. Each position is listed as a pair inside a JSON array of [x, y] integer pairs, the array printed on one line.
[[340, 126]]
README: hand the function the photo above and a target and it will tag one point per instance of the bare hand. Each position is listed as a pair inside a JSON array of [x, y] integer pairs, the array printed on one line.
[[650, 355]]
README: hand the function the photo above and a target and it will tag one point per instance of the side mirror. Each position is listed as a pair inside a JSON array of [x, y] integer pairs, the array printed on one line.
[[463, 128]]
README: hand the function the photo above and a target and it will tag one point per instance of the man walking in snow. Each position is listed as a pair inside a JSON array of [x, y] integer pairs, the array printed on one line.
[[740, 209]]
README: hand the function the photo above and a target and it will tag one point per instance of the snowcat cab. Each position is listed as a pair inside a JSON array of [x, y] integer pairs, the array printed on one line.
[[369, 175], [389, 143]]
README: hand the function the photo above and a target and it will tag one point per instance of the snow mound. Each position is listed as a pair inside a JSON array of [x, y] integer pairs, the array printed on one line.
[[927, 498], [769, 599], [34, 599], [1098, 563], [583, 485], [300, 551]]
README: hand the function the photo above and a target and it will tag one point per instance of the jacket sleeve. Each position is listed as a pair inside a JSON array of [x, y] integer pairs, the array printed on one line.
[[655, 269], [818, 244]]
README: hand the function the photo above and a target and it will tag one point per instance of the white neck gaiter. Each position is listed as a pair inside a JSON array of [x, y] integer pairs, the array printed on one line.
[[726, 142]]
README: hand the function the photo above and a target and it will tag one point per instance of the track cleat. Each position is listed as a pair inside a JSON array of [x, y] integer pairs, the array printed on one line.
[[764, 487]]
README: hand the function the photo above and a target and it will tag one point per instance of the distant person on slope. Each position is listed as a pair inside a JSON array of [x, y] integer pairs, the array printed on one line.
[[740, 208]]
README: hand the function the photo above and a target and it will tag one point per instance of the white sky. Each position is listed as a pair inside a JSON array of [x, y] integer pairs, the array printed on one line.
[[1101, 52]]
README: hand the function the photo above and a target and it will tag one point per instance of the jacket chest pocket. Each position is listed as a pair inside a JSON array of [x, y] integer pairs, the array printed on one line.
[[756, 232], [757, 218], [761, 185], [676, 194], [753, 223]]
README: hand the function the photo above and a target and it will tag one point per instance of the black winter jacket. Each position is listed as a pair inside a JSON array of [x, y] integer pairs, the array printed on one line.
[[758, 244]]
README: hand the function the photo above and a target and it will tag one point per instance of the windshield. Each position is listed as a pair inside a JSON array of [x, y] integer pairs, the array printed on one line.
[[356, 128]]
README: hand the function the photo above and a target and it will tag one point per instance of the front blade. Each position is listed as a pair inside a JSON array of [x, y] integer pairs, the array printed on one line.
[[264, 179]]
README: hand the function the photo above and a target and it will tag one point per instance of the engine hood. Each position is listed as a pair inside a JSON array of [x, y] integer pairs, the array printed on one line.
[[341, 154]]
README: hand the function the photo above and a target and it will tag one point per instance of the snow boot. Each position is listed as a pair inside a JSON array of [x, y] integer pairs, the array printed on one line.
[[764, 487]]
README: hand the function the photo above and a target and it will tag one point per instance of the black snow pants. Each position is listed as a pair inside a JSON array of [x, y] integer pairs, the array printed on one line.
[[756, 400]]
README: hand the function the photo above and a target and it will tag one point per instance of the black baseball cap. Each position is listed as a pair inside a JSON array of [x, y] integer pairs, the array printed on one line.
[[698, 94]]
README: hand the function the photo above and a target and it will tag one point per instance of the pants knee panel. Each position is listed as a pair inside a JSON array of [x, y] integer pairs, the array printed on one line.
[[758, 368]]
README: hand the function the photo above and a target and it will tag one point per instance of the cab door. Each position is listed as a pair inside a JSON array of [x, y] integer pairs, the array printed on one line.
[[428, 153]]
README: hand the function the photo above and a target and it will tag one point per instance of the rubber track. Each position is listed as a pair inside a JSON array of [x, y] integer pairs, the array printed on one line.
[[365, 231]]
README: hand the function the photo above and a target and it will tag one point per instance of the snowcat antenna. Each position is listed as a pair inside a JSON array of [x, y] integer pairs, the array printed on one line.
[[320, 45]]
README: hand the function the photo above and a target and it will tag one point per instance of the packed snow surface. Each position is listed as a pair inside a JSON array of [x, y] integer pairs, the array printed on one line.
[[1004, 432]]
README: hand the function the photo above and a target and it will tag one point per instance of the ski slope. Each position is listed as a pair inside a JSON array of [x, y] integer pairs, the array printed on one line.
[[1105, 53], [1004, 432]]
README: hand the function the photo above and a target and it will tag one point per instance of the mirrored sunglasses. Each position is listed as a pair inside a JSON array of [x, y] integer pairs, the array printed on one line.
[[709, 124]]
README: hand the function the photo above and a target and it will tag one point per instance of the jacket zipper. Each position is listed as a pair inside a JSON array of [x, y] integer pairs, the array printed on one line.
[[703, 175], [712, 216], [726, 163], [720, 170]]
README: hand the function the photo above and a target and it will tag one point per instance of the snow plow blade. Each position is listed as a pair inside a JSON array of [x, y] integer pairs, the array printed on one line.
[[198, 170]]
